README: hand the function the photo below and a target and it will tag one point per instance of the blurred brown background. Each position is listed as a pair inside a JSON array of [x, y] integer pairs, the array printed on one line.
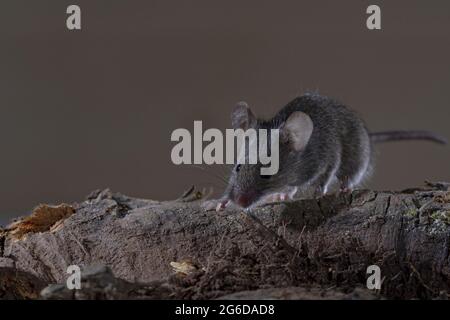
[[95, 108]]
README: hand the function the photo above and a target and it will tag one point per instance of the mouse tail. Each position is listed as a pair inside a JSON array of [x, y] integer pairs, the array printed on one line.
[[398, 135]]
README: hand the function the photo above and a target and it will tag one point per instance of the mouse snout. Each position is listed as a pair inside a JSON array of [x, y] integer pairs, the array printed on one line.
[[245, 199]]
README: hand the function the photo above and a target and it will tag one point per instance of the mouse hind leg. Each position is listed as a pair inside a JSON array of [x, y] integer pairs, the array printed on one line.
[[324, 181], [326, 173], [356, 162]]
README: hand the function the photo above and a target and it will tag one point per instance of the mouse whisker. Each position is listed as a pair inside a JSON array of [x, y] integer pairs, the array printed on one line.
[[212, 174]]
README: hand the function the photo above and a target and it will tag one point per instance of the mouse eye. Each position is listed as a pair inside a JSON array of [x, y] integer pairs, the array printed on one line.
[[265, 176], [238, 167]]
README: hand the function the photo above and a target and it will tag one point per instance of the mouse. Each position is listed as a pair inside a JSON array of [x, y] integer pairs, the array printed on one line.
[[321, 142]]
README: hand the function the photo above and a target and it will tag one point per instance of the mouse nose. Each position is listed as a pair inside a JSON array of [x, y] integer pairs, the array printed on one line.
[[245, 199]]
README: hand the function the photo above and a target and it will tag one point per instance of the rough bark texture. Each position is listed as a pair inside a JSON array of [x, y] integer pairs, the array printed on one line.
[[305, 249]]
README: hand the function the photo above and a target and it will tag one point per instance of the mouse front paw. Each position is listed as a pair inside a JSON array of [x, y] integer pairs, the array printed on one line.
[[217, 204], [287, 194]]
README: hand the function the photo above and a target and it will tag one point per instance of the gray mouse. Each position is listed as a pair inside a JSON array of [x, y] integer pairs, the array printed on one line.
[[321, 141]]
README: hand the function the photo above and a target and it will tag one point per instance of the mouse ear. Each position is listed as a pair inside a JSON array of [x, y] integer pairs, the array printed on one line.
[[242, 117], [297, 130]]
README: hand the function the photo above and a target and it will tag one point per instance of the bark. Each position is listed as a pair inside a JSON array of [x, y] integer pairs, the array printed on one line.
[[304, 249]]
